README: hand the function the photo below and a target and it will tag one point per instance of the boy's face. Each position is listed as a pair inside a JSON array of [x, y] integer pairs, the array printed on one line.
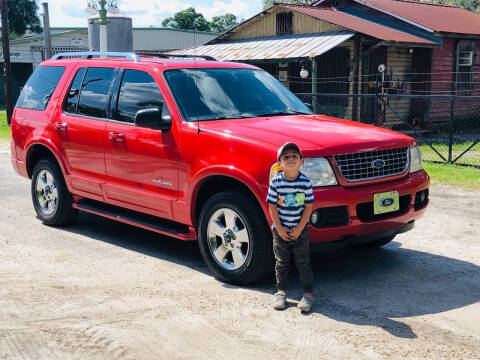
[[291, 161]]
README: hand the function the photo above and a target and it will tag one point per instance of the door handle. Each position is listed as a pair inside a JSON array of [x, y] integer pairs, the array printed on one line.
[[60, 126], [115, 136]]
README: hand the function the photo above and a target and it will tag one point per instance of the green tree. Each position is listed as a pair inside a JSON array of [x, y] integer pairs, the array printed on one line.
[[220, 24], [471, 5], [270, 3], [187, 19], [22, 15]]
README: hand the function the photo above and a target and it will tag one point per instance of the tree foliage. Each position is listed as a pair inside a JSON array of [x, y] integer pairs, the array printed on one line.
[[471, 5], [270, 3], [22, 15], [187, 19], [223, 23]]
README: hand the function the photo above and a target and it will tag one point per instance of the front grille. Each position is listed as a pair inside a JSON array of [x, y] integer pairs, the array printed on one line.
[[359, 166], [365, 211]]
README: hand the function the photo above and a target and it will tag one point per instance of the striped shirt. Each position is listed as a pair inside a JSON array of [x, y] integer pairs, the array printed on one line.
[[290, 198]]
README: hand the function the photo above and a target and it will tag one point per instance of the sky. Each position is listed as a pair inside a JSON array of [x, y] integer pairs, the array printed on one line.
[[145, 13]]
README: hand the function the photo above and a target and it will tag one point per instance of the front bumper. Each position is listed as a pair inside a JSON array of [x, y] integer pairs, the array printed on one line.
[[351, 197]]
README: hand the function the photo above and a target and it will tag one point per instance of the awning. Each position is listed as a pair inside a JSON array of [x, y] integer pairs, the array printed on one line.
[[271, 47]]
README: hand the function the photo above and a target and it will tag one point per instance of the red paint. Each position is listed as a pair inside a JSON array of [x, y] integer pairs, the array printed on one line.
[[116, 162]]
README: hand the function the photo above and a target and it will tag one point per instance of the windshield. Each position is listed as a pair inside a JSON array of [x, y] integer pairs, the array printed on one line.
[[213, 94]]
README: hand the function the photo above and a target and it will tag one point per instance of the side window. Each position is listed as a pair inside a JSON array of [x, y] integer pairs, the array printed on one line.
[[39, 88], [137, 91], [94, 93], [70, 105]]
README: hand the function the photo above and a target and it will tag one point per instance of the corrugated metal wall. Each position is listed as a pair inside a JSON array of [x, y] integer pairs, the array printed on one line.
[[167, 39]]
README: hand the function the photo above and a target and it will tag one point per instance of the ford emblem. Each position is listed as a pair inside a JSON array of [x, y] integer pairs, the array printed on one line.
[[385, 202], [378, 163]]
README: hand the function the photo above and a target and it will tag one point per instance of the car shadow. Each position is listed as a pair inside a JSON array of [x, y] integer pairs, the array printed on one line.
[[362, 287]]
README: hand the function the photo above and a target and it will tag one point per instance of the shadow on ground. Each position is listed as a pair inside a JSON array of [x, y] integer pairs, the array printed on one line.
[[364, 287]]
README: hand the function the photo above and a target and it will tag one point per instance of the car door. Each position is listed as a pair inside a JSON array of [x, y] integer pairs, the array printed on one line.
[[82, 128], [141, 163]]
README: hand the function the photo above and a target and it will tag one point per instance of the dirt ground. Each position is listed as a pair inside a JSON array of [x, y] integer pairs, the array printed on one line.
[[104, 290]]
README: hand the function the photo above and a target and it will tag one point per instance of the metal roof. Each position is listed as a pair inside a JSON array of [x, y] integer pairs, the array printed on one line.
[[441, 18], [272, 47], [379, 31]]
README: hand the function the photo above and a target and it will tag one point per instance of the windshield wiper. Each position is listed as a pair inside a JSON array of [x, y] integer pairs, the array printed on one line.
[[223, 117], [284, 112]]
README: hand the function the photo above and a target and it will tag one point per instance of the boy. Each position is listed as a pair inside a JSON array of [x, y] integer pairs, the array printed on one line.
[[290, 198]]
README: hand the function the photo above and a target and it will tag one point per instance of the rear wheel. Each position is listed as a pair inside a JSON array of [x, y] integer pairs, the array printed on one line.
[[234, 238], [50, 196]]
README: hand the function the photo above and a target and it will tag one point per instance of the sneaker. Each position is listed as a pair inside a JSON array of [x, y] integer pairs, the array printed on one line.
[[279, 303], [306, 303]]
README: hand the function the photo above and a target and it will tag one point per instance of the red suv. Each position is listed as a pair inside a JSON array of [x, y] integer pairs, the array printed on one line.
[[185, 147]]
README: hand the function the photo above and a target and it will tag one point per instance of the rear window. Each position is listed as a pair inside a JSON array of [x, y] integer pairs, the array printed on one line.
[[39, 88]]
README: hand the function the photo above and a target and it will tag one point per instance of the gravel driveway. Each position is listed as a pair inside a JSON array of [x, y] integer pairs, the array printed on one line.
[[105, 290]]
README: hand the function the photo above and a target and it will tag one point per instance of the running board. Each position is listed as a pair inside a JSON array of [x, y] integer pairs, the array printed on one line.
[[144, 221]]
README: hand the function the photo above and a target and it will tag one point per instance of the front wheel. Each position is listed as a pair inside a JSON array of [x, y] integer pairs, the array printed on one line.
[[50, 196], [234, 238]]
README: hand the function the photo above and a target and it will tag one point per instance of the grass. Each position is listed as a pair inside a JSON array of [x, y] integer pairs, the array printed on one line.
[[464, 176], [4, 129], [467, 177], [472, 157]]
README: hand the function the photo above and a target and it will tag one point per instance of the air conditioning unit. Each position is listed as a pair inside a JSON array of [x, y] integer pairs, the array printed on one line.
[[465, 58]]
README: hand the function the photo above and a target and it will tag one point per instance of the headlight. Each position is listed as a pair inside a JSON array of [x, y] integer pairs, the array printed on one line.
[[319, 171], [416, 163]]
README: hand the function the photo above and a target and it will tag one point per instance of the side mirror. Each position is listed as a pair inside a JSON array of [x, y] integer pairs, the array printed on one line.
[[152, 118]]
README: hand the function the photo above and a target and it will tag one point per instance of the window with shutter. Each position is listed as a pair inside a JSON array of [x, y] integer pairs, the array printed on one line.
[[466, 57]]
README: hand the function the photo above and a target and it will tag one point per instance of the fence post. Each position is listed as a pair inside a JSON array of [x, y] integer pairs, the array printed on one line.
[[450, 129]]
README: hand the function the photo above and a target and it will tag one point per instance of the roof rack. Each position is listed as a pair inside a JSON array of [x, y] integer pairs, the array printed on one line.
[[182, 56], [92, 54], [126, 55]]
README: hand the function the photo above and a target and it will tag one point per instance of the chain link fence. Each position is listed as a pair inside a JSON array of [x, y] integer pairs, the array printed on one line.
[[446, 126]]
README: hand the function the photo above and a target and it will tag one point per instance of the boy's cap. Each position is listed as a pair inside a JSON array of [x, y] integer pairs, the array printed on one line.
[[288, 146]]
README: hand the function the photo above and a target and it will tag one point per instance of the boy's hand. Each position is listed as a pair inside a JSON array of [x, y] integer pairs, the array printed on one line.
[[283, 234], [294, 233]]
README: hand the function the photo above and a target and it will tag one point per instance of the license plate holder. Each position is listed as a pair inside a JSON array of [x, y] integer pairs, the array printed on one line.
[[386, 202]]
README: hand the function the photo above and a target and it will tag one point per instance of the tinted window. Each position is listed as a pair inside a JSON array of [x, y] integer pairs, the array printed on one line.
[[206, 94], [138, 91], [94, 93], [39, 88], [72, 95]]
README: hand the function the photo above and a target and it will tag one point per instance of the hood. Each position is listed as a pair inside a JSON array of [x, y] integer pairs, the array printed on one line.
[[316, 135]]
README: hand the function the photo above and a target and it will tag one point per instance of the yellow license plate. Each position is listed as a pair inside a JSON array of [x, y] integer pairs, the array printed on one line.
[[386, 202]]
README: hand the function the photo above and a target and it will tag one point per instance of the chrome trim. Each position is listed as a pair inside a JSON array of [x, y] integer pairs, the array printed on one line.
[[404, 170]]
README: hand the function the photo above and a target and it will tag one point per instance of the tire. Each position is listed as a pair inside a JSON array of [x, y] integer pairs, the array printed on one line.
[[234, 238], [378, 243], [50, 196]]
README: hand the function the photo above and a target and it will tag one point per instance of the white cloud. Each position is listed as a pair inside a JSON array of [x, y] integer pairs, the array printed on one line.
[[149, 12]]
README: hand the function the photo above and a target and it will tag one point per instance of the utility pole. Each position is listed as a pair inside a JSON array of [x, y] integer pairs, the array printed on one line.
[[46, 32], [6, 59]]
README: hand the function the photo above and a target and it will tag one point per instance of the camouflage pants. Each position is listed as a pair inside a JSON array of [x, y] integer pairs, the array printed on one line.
[[300, 249]]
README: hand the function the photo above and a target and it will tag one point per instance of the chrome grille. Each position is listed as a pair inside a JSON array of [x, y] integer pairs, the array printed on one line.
[[359, 166]]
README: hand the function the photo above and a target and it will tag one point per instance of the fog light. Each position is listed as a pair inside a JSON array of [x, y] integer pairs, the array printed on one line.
[[314, 217], [422, 196]]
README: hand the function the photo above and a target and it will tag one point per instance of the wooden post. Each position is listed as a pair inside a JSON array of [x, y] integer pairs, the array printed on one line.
[[314, 85], [46, 32], [6, 59], [356, 73]]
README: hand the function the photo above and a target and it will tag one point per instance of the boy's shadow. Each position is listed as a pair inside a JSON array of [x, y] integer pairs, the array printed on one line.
[[376, 287]]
